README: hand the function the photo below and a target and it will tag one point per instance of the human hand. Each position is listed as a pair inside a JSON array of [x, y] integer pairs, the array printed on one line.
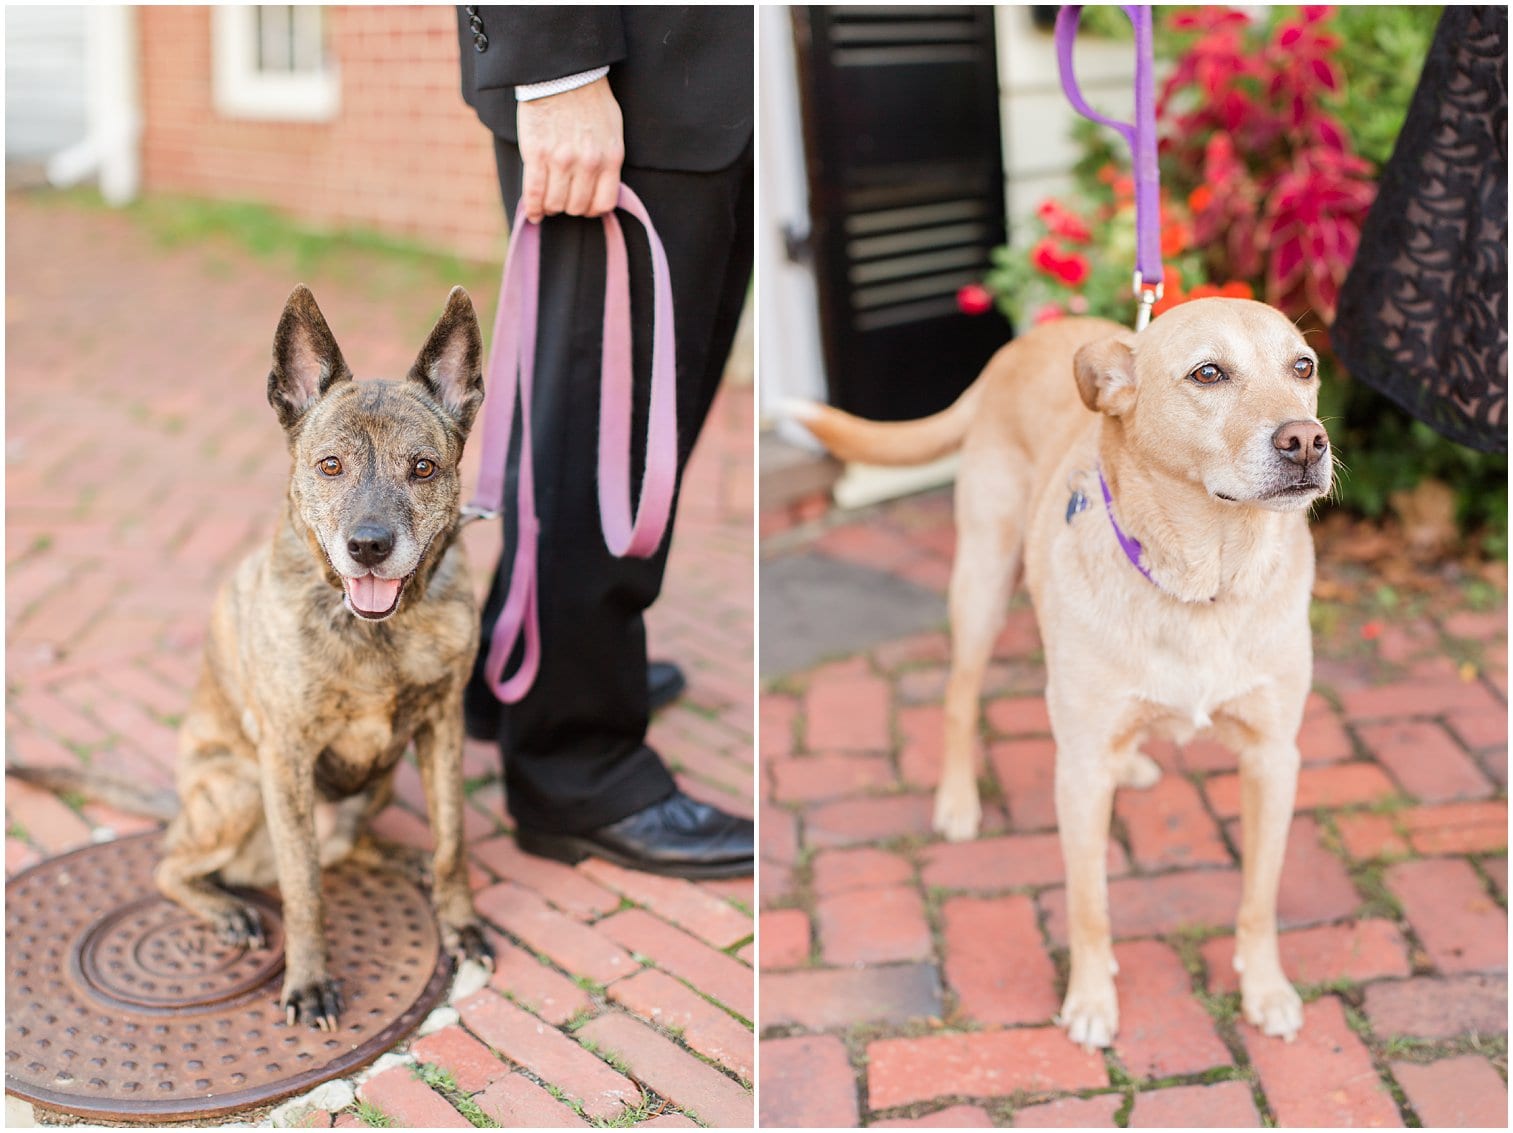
[[572, 145]]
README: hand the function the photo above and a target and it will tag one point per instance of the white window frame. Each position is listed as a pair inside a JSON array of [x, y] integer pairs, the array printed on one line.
[[241, 90]]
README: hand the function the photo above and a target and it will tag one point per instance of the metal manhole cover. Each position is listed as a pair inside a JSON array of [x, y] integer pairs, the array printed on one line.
[[121, 1005]]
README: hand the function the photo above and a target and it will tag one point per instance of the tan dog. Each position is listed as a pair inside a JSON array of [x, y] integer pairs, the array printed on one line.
[[1204, 427], [332, 648]]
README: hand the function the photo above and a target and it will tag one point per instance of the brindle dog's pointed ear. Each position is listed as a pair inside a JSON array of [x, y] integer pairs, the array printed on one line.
[[450, 364], [306, 360]]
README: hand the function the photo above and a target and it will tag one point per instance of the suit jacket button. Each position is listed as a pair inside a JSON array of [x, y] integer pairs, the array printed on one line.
[[481, 42], [476, 23]]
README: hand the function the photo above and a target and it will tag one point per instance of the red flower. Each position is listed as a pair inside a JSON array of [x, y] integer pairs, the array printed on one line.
[[1045, 257], [1063, 223], [1312, 226], [1176, 236], [1070, 268], [974, 299], [1073, 270], [1047, 314]]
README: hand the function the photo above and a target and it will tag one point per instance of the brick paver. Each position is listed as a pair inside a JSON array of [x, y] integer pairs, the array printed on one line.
[[143, 461], [816, 1083], [952, 1117], [984, 1064], [874, 926], [1459, 1093], [675, 1074], [1392, 908], [471, 1064], [1225, 1105], [1323, 1077], [1070, 1113]]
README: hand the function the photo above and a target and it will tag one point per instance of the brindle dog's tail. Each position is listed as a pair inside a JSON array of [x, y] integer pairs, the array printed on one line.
[[119, 793]]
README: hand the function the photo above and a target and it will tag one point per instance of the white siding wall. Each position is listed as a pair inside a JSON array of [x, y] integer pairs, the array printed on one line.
[[45, 82], [1037, 119]]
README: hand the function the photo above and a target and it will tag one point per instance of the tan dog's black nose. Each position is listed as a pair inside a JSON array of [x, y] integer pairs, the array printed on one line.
[[370, 544], [1302, 442]]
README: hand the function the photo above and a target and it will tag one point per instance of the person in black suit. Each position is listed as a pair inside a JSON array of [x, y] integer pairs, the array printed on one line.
[[578, 97]]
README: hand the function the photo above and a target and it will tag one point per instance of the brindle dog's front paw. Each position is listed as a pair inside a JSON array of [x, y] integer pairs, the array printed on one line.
[[241, 925], [469, 943], [318, 1003]]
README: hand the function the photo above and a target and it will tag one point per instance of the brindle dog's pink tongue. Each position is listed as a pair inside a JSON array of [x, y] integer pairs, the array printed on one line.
[[371, 594]]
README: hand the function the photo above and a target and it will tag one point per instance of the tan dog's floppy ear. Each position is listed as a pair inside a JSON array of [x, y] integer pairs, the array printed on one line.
[[1106, 374], [450, 364], [306, 360]]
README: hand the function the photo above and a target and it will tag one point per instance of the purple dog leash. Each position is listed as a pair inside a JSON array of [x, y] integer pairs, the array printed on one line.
[[1139, 134], [511, 376]]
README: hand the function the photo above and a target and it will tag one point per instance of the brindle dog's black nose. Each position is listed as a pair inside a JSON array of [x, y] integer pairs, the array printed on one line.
[[370, 544], [1302, 442]]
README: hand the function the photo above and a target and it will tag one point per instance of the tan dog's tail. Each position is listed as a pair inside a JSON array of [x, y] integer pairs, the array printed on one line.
[[119, 793], [889, 442]]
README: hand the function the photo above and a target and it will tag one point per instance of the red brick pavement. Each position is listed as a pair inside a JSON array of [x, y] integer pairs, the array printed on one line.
[[142, 461], [910, 982]]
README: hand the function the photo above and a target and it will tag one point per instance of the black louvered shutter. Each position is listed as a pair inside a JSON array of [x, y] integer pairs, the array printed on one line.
[[902, 143]]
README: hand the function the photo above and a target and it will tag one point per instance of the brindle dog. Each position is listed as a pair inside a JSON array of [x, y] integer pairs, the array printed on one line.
[[334, 647]]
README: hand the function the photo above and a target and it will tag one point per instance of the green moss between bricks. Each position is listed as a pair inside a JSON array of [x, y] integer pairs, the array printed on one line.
[[370, 1114]]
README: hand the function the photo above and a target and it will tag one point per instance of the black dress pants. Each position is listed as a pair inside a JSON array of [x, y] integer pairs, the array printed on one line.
[[574, 748]]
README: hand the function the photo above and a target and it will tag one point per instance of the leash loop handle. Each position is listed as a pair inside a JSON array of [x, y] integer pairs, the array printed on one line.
[[511, 377], [1139, 135], [637, 533]]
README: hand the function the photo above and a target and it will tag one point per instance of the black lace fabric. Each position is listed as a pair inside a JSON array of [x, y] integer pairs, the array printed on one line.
[[1423, 316]]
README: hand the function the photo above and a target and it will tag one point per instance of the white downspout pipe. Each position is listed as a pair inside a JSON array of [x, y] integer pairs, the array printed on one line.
[[110, 148]]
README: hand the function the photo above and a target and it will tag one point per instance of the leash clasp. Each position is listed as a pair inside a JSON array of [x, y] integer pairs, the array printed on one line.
[[1148, 296]]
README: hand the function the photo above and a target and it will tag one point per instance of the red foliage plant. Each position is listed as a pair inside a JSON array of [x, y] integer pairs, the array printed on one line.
[[1275, 192]]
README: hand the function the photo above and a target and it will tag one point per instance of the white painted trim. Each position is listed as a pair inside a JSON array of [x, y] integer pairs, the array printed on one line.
[[864, 484], [113, 110], [115, 101], [788, 331], [240, 90]]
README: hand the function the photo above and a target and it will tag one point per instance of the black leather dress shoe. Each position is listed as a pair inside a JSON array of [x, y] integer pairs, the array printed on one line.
[[665, 682], [677, 837], [480, 710]]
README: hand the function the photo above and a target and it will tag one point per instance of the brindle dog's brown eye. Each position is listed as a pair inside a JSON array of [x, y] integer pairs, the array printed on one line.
[[424, 469], [330, 466], [1303, 368], [1207, 374]]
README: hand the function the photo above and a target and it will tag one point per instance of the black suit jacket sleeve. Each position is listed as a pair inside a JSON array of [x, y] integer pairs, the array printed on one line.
[[681, 73], [533, 44]]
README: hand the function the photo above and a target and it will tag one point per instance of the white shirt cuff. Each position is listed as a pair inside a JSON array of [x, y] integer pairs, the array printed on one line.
[[525, 92]]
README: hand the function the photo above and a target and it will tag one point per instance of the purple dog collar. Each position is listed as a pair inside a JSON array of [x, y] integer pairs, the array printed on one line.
[[1127, 543], [1131, 547]]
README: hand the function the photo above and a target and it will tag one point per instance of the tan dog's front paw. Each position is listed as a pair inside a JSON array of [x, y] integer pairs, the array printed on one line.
[[1091, 1015], [1272, 1005], [958, 813], [1137, 770]]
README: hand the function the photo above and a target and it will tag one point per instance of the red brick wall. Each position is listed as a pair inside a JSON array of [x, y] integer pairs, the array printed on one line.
[[403, 155]]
